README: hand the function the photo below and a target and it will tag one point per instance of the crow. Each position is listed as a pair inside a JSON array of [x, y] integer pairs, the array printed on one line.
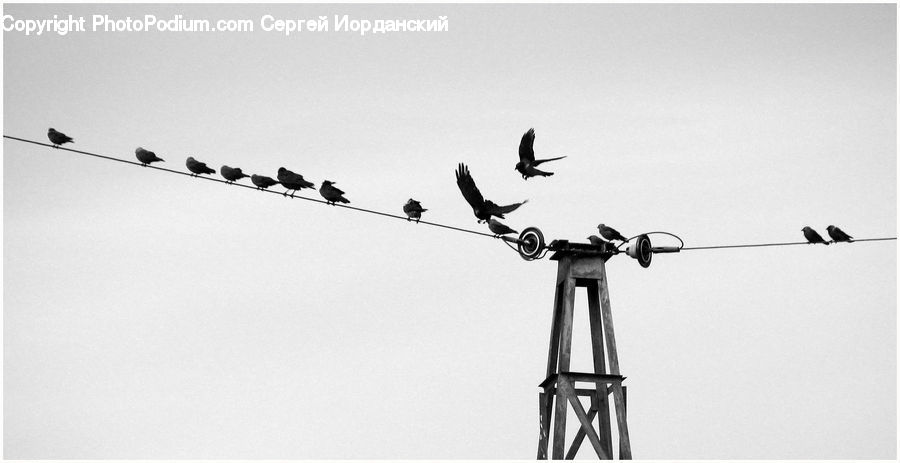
[[482, 209], [527, 163], [146, 157], [332, 194], [58, 138], [813, 236], [196, 167], [292, 181], [413, 210]]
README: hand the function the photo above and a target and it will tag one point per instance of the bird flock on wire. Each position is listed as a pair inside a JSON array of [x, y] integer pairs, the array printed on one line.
[[484, 210]]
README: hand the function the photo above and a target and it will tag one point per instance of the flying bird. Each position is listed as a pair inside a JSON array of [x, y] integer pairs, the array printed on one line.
[[527, 164], [610, 233], [482, 209], [146, 157], [292, 181], [58, 138], [232, 174], [196, 167], [813, 236], [262, 182], [332, 194], [838, 235], [498, 228], [413, 210]]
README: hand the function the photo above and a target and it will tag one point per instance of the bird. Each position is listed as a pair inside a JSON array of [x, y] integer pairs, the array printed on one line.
[[262, 182], [527, 164], [146, 157], [499, 229], [58, 138], [482, 209], [413, 210], [292, 181], [596, 240], [232, 174], [610, 233], [332, 194], [813, 236], [197, 167], [838, 235]]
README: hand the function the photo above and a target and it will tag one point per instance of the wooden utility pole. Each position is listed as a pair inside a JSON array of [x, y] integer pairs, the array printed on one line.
[[582, 266]]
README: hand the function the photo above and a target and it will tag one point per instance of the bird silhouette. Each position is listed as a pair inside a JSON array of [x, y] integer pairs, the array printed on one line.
[[838, 235], [262, 182], [232, 174], [196, 167], [482, 209], [58, 138], [498, 228], [292, 181], [610, 233], [813, 236], [413, 210], [596, 240], [146, 157], [332, 194], [527, 164]]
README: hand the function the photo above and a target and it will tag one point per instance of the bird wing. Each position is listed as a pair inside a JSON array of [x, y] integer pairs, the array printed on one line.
[[495, 209], [467, 186], [526, 147], [336, 190], [541, 161]]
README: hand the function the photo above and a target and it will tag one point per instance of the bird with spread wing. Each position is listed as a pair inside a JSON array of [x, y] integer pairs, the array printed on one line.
[[482, 208], [527, 164]]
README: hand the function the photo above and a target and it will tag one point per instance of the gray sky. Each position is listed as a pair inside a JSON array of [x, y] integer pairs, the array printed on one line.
[[149, 315]]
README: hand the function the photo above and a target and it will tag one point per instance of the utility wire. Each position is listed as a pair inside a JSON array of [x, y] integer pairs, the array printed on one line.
[[773, 244], [385, 214], [252, 187]]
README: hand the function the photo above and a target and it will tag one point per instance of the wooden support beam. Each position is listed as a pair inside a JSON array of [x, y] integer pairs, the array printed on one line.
[[613, 355], [579, 436], [565, 353], [544, 416], [586, 425]]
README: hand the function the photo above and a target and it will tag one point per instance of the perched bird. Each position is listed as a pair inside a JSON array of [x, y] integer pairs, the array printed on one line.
[[197, 167], [595, 240], [610, 233], [58, 138], [146, 157], [262, 182], [482, 209], [527, 163], [232, 174], [498, 228], [838, 235], [292, 181], [413, 210], [332, 194], [813, 236]]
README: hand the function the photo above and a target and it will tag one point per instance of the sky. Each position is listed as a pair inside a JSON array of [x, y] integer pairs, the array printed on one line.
[[151, 315]]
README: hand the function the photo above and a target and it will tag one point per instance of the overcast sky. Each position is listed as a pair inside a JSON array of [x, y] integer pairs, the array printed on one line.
[[151, 315]]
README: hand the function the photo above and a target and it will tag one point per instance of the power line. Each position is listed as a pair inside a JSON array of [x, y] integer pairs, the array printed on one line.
[[385, 214], [110, 158], [774, 244]]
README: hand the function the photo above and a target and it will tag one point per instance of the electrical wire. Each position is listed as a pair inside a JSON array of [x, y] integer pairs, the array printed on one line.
[[252, 187], [776, 244], [385, 214]]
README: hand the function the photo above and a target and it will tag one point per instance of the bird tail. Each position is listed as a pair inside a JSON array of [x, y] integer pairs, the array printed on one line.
[[160, 159], [344, 200]]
